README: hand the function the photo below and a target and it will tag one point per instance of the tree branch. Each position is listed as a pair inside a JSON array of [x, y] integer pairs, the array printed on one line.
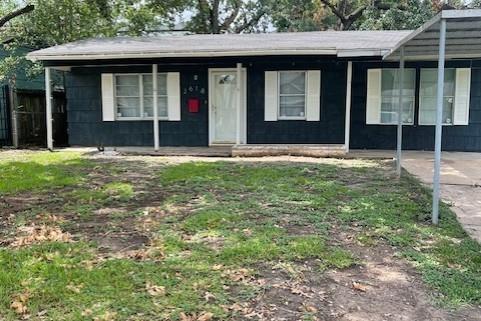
[[334, 10], [251, 22], [15, 14], [231, 18], [356, 13], [348, 19]]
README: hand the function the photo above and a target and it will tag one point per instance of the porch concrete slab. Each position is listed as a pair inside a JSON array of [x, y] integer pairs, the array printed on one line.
[[370, 154], [215, 151], [304, 150], [460, 183]]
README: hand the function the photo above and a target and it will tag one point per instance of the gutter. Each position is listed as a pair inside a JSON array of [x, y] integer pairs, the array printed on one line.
[[104, 56]]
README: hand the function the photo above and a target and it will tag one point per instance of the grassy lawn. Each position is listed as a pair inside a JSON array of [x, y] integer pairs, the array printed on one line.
[[151, 239]]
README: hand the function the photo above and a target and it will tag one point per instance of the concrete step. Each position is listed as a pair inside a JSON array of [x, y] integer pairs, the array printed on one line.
[[308, 150]]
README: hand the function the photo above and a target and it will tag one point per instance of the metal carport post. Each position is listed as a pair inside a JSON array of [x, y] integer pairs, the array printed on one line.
[[400, 113], [439, 121]]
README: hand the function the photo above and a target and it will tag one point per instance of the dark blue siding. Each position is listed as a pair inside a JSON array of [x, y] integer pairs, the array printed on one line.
[[329, 130], [415, 137], [86, 127]]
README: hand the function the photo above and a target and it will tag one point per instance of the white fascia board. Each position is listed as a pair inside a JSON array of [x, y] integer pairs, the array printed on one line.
[[456, 14], [435, 57], [103, 56], [350, 53]]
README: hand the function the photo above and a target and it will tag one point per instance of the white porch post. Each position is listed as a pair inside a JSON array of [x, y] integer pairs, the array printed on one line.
[[439, 121], [239, 102], [347, 130], [155, 105], [48, 99], [400, 113]]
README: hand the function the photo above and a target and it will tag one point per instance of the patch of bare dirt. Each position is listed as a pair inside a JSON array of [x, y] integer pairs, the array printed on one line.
[[383, 287]]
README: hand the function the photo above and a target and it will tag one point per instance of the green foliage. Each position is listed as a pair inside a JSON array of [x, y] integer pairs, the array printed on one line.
[[134, 18], [52, 22], [416, 14]]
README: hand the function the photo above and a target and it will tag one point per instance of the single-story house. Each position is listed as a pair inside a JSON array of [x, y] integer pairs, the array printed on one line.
[[328, 88]]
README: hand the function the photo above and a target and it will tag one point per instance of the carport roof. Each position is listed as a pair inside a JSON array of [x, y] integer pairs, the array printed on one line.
[[463, 37]]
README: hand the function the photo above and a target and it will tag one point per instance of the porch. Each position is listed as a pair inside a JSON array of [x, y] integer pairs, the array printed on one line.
[[255, 150]]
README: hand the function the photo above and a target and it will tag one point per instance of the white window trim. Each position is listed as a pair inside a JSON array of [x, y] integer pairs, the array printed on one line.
[[279, 117], [420, 123], [411, 123], [141, 97]]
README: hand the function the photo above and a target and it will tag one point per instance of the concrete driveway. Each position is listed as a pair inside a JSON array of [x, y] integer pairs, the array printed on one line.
[[460, 183]]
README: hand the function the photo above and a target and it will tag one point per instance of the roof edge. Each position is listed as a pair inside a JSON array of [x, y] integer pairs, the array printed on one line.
[[45, 57]]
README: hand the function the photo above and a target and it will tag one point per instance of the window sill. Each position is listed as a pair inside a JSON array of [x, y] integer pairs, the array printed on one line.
[[442, 124], [139, 118], [390, 124], [291, 118]]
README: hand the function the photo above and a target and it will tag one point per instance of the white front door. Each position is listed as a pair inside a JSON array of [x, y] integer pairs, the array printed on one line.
[[223, 107]]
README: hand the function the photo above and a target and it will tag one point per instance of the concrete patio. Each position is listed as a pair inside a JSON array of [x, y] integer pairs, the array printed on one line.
[[460, 183]]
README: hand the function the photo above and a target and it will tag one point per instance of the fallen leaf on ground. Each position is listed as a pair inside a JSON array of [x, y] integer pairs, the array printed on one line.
[[87, 312], [18, 307], [310, 309], [359, 286], [185, 317], [155, 290], [107, 316], [74, 288], [208, 296], [205, 316], [35, 234]]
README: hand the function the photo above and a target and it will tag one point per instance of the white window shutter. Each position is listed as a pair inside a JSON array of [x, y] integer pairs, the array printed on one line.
[[173, 95], [313, 105], [373, 103], [271, 100], [462, 95], [108, 108]]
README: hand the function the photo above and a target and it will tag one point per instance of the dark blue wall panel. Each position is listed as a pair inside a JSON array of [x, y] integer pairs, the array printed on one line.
[[329, 130], [415, 137], [87, 128]]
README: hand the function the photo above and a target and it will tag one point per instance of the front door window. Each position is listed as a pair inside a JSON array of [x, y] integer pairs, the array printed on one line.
[[224, 107]]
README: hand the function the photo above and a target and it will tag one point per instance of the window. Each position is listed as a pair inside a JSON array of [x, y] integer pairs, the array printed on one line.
[[134, 96], [428, 91], [390, 96], [292, 94]]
